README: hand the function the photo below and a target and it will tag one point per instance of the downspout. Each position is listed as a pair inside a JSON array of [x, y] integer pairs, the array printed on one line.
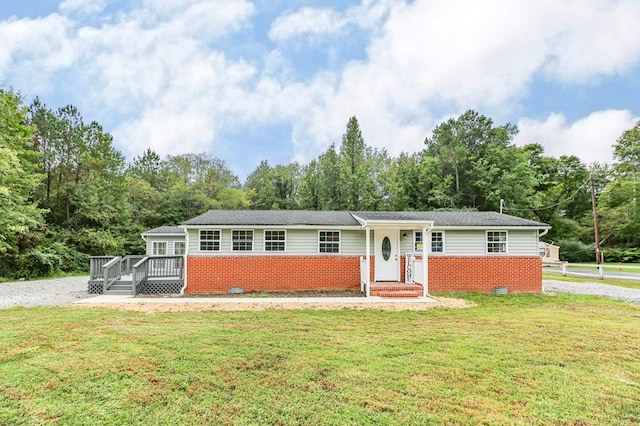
[[425, 260], [185, 263], [368, 253]]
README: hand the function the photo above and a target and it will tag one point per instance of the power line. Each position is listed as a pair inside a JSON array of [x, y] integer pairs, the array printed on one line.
[[586, 182]]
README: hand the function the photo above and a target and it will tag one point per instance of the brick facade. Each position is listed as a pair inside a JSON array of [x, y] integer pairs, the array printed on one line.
[[216, 274], [480, 274]]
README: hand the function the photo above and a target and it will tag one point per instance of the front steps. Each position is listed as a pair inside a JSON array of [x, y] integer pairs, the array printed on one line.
[[122, 287], [396, 290]]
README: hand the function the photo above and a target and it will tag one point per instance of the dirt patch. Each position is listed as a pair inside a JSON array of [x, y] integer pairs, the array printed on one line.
[[152, 307]]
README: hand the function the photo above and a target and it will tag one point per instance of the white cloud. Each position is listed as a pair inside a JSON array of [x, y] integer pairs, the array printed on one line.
[[590, 138], [433, 58], [161, 66], [308, 20], [311, 21], [82, 6]]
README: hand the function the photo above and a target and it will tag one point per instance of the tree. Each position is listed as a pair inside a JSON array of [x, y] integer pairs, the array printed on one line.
[[621, 207], [19, 213], [481, 162]]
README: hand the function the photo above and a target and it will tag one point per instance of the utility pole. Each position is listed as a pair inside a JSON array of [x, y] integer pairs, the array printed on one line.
[[595, 220]]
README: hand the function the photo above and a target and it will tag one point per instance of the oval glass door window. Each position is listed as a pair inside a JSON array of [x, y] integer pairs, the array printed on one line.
[[386, 248]]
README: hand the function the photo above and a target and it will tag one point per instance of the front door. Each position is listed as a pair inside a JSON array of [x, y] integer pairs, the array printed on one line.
[[387, 263]]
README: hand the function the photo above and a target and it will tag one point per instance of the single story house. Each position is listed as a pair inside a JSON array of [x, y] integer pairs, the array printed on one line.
[[550, 253], [379, 253]]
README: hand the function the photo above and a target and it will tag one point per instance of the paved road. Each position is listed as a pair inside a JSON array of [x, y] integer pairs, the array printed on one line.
[[594, 273]]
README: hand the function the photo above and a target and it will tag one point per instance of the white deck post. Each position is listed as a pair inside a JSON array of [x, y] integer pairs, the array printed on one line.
[[425, 262], [368, 252]]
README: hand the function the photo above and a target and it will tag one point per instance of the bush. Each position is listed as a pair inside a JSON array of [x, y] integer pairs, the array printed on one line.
[[44, 261], [72, 259], [622, 255], [574, 251]]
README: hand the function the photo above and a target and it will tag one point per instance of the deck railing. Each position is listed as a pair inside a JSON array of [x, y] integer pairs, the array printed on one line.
[[364, 274], [96, 263], [111, 272], [128, 261], [157, 267]]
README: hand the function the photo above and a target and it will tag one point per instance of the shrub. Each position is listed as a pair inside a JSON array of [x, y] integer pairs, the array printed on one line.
[[72, 259], [575, 251], [622, 255]]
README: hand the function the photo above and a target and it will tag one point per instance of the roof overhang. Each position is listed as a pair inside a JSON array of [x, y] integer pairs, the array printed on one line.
[[257, 226], [393, 223]]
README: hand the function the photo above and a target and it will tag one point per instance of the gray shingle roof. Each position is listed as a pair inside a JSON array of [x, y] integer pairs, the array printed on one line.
[[273, 218], [343, 218], [165, 230], [462, 218]]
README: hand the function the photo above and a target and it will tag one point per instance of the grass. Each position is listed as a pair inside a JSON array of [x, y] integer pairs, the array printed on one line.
[[610, 281], [512, 359]]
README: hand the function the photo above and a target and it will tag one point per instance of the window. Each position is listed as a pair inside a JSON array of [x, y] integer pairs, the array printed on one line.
[[210, 240], [329, 241], [242, 240], [274, 240], [437, 242], [178, 248], [496, 241], [417, 242], [159, 248]]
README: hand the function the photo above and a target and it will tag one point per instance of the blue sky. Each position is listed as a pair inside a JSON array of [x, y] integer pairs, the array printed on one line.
[[250, 80]]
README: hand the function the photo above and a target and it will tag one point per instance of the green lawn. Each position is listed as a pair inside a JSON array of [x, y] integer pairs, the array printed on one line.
[[560, 359]]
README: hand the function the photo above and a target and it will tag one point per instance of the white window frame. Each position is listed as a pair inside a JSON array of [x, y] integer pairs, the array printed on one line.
[[184, 246], [219, 240], [415, 237], [431, 242], [253, 239], [265, 241], [417, 251], [331, 242], [505, 242], [153, 248]]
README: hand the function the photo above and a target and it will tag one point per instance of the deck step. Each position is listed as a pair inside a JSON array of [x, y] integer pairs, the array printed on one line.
[[396, 290], [118, 292], [398, 293]]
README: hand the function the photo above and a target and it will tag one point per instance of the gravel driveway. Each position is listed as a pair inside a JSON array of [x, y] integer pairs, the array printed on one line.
[[58, 291], [612, 292], [61, 291]]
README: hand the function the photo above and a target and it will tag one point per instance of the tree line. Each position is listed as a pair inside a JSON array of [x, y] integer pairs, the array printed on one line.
[[66, 192]]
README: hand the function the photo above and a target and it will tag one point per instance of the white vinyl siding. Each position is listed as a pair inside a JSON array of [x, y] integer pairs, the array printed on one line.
[[468, 242], [523, 242]]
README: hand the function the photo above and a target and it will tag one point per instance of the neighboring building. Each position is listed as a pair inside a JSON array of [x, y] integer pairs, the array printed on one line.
[[549, 253], [381, 253]]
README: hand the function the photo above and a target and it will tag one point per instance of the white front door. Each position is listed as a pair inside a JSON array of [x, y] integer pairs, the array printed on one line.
[[387, 262]]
